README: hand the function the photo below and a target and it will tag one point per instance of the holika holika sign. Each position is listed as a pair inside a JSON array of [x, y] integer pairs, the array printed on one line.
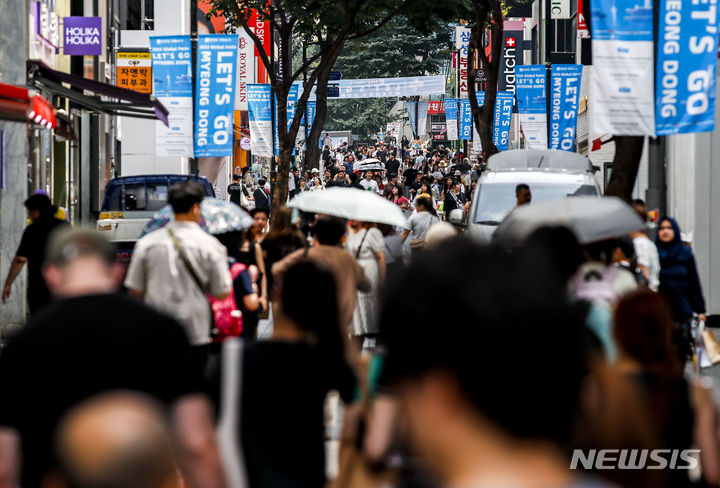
[[82, 36]]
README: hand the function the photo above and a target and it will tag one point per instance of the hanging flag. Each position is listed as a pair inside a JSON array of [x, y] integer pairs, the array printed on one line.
[[512, 54], [464, 119], [418, 127], [451, 118], [582, 28], [565, 79], [622, 49], [532, 105], [215, 94], [687, 55], [262, 31], [291, 102], [260, 118], [172, 85], [477, 145], [462, 44], [504, 101]]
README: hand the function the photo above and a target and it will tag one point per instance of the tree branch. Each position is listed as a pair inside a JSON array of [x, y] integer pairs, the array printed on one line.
[[378, 26], [240, 15]]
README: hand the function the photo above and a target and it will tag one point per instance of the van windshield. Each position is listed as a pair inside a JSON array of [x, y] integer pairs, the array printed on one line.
[[496, 200]]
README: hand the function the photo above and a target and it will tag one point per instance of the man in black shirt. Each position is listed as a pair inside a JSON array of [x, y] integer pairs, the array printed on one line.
[[392, 165], [235, 190], [261, 198], [32, 251], [89, 341], [409, 177]]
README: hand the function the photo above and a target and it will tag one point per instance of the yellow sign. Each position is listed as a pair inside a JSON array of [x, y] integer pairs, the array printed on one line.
[[134, 71]]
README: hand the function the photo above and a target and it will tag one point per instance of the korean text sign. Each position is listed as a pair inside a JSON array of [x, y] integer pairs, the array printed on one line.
[[215, 94], [532, 106], [686, 66], [565, 98]]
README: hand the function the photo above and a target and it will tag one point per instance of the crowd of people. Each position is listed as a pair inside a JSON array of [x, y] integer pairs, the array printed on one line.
[[543, 349]]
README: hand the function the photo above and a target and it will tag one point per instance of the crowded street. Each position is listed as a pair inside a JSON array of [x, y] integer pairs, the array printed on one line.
[[358, 244]]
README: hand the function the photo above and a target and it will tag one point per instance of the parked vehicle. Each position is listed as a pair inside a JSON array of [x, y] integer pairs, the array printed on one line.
[[130, 202], [548, 173]]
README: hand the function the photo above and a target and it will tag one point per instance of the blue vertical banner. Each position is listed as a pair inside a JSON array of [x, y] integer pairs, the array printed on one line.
[[565, 85], [291, 102], [530, 90], [477, 145], [464, 119], [215, 94], [451, 118], [504, 102], [260, 119], [687, 55], [172, 85]]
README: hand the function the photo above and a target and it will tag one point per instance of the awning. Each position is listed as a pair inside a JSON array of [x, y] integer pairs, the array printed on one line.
[[108, 99], [22, 105]]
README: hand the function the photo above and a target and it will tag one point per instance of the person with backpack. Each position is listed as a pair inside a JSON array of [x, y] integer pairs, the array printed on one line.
[[623, 256]]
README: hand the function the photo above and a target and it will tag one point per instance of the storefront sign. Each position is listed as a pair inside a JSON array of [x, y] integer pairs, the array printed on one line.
[[622, 47], [512, 56], [559, 9], [477, 144], [134, 71], [262, 31], [462, 43], [687, 55], [172, 85], [531, 101], [245, 69], [215, 94], [82, 36], [436, 108], [260, 118], [565, 79]]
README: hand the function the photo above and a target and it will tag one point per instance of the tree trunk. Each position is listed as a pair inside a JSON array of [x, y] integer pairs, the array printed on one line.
[[628, 151], [280, 185]]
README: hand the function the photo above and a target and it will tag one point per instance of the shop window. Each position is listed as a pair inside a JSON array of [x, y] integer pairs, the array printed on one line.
[[137, 14]]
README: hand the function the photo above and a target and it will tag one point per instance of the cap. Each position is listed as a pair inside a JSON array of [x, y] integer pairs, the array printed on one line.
[[314, 170], [67, 244], [457, 172]]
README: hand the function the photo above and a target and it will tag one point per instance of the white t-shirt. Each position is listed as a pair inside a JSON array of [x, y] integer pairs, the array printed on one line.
[[370, 185], [647, 255]]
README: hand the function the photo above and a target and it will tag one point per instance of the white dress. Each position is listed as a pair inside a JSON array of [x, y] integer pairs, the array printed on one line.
[[366, 318]]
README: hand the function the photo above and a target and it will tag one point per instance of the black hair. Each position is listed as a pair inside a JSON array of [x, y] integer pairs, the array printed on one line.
[[354, 177], [182, 196], [232, 241], [41, 202], [492, 288], [258, 210], [236, 176], [625, 243], [638, 201], [520, 187], [329, 230], [562, 248], [261, 181], [301, 283]]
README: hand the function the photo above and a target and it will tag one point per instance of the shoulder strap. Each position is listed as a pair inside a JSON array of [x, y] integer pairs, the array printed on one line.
[[185, 260], [357, 253]]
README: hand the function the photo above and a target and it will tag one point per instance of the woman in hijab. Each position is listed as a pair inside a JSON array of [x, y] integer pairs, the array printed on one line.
[[679, 280]]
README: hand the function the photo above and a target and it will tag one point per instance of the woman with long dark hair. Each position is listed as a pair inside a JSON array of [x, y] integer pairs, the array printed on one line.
[[285, 381], [682, 412], [284, 237]]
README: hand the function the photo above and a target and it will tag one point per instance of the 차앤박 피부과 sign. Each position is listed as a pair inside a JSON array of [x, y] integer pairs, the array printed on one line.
[[134, 71]]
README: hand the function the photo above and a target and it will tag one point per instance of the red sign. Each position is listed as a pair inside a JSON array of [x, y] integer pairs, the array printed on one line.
[[435, 108], [582, 27], [262, 30]]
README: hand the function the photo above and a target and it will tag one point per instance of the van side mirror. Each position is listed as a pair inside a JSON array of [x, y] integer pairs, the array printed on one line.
[[595, 168]]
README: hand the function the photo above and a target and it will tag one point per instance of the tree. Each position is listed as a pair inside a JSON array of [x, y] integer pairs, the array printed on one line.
[[324, 23], [488, 16], [397, 49]]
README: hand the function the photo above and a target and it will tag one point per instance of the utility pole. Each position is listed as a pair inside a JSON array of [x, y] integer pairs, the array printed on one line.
[[549, 38], [193, 43]]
